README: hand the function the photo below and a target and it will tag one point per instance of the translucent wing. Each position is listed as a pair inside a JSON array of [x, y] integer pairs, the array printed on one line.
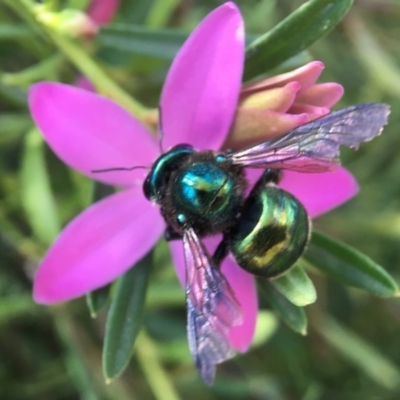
[[212, 309], [314, 147]]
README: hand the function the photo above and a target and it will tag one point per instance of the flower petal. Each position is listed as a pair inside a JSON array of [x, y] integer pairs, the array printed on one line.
[[305, 75], [242, 283], [102, 11], [313, 112], [322, 94], [202, 87], [97, 246], [277, 99], [89, 132], [320, 193], [84, 83], [254, 126]]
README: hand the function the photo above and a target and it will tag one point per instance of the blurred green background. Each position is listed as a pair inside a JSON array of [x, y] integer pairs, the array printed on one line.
[[352, 350]]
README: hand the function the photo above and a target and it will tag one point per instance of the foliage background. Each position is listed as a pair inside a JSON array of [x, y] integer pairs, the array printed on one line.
[[352, 350]]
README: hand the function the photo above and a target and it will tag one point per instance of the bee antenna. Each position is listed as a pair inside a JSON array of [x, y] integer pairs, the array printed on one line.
[[160, 129], [95, 171]]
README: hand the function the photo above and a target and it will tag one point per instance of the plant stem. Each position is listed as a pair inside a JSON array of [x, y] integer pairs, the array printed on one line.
[[81, 59], [155, 374]]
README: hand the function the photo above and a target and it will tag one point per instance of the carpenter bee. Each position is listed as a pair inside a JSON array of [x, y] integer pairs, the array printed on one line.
[[201, 193]]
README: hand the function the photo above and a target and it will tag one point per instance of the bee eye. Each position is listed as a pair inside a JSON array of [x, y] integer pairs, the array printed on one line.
[[147, 189]]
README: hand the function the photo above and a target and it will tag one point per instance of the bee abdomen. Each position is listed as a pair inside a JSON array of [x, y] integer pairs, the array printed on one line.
[[271, 234]]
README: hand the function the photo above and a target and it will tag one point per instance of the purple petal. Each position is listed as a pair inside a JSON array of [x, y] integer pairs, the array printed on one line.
[[253, 126], [322, 94], [242, 283], [244, 287], [89, 132], [320, 193], [102, 11], [97, 246], [306, 76], [202, 87], [83, 82], [313, 112]]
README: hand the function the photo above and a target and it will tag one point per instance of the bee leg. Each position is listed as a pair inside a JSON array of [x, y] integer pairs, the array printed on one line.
[[170, 234], [221, 252], [160, 129], [269, 176]]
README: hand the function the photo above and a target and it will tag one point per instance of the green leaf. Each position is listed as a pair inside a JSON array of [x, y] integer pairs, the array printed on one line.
[[161, 12], [18, 306], [296, 286], [13, 125], [14, 31], [156, 375], [294, 317], [349, 266], [267, 324], [97, 299], [78, 4], [125, 318], [37, 197], [13, 95], [294, 34], [100, 191], [161, 43], [360, 353]]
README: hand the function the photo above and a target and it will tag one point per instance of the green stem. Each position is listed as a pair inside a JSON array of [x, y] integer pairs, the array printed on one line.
[[81, 59], [83, 357], [46, 69], [24, 11], [155, 374], [103, 83], [160, 13]]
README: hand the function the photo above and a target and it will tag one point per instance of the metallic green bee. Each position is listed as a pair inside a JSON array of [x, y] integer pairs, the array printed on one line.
[[201, 193]]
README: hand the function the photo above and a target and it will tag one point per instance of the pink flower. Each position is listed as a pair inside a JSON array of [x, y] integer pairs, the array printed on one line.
[[77, 23], [272, 106], [101, 12], [88, 132]]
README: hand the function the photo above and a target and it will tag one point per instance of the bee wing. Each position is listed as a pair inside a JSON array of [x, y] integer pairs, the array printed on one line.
[[314, 147], [212, 309]]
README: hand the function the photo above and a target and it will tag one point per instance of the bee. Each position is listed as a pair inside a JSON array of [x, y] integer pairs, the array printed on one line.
[[202, 193]]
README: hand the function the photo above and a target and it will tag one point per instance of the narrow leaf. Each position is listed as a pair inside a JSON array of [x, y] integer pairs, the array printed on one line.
[[13, 125], [267, 324], [360, 353], [97, 299], [294, 34], [13, 95], [161, 43], [349, 266], [296, 286], [17, 306], [100, 190], [156, 375], [78, 4], [14, 31], [294, 317], [161, 12], [125, 318], [37, 197]]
